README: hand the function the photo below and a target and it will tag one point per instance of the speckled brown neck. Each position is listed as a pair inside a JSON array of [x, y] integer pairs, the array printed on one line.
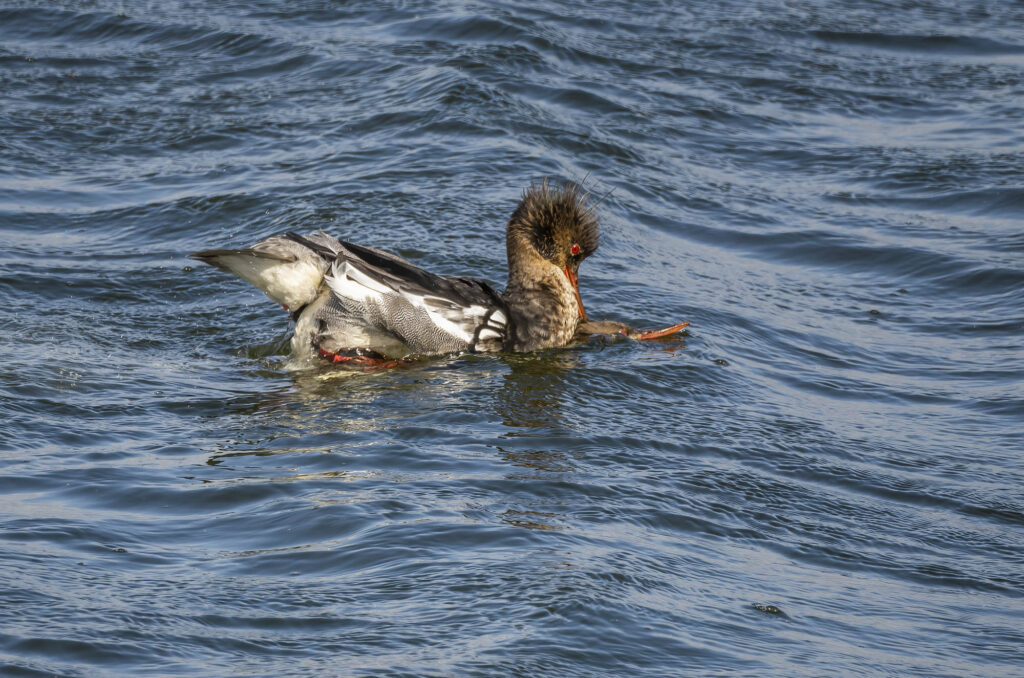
[[543, 308]]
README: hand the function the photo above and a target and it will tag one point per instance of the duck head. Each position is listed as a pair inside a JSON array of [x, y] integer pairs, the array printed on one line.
[[552, 229]]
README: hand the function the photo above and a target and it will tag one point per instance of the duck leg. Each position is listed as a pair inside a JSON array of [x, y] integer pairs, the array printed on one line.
[[663, 332], [359, 357]]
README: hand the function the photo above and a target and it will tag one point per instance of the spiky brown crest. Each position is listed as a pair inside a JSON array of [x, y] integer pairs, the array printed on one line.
[[554, 219]]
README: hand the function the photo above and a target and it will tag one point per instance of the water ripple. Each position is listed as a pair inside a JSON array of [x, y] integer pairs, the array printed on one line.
[[821, 476]]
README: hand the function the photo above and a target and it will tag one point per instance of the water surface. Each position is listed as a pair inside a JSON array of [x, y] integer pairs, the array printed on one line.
[[822, 477]]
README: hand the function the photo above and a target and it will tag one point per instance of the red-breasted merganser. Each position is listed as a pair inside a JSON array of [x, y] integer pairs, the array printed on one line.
[[358, 304]]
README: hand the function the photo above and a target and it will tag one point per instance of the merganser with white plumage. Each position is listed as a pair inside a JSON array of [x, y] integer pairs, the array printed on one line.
[[361, 305]]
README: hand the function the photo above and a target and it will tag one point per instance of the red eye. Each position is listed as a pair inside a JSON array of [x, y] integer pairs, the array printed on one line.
[[575, 249]]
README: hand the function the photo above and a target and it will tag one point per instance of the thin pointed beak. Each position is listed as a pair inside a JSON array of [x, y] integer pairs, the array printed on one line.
[[576, 290], [664, 332]]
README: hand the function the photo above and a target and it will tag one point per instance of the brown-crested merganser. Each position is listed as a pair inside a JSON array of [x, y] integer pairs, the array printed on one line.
[[358, 304]]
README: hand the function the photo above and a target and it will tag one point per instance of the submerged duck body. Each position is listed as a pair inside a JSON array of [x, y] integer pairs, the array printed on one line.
[[351, 302]]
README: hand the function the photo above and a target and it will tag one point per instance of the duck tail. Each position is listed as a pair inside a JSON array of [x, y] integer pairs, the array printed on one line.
[[290, 270]]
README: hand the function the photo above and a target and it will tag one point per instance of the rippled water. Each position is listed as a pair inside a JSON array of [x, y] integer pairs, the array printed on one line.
[[823, 477]]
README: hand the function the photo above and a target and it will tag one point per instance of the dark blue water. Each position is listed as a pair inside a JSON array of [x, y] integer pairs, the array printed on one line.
[[824, 476]]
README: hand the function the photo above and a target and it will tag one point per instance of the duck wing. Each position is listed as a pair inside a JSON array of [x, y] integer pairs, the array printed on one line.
[[431, 314]]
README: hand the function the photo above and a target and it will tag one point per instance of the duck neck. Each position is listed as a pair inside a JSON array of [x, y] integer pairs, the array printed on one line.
[[541, 301]]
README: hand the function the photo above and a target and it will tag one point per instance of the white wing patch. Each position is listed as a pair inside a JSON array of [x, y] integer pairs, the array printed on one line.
[[348, 282], [461, 322], [495, 327], [458, 321]]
